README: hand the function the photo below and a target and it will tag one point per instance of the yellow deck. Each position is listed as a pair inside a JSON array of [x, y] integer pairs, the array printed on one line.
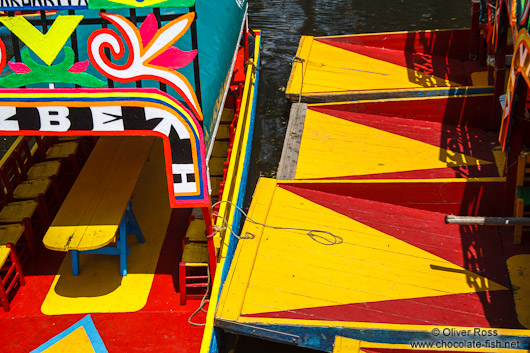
[[283, 280], [322, 70]]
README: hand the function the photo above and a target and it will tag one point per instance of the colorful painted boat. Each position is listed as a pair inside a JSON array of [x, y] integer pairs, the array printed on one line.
[[164, 90], [352, 249]]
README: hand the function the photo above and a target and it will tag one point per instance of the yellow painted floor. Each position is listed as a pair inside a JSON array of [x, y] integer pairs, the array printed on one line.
[[99, 286], [380, 275]]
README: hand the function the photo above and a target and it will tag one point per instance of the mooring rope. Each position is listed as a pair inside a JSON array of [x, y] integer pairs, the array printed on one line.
[[298, 59], [312, 233], [204, 301]]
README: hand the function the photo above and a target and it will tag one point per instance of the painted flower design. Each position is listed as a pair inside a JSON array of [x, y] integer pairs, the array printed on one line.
[[67, 71], [151, 53]]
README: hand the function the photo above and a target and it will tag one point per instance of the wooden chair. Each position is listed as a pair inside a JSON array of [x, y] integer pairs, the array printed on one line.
[[67, 151], [11, 274], [19, 237], [31, 170], [194, 267], [522, 196], [44, 190]]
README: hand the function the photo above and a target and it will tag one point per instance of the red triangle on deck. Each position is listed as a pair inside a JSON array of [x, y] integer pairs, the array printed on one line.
[[492, 309], [474, 249], [443, 67]]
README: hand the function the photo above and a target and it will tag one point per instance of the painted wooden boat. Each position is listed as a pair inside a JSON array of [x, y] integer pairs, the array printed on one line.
[[390, 133], [175, 77]]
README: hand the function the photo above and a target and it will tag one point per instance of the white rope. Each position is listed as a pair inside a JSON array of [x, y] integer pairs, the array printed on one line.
[[317, 235], [204, 301]]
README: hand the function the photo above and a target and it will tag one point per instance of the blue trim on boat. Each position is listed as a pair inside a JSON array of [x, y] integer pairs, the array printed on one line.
[[236, 224], [323, 337]]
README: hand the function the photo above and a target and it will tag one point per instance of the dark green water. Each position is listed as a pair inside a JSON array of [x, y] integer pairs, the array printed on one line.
[[283, 22]]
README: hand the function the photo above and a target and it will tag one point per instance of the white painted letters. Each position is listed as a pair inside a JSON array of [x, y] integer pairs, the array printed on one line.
[[54, 118], [107, 118], [6, 113]]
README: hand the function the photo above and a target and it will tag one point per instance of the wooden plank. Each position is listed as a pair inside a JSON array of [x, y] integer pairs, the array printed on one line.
[[354, 95], [92, 211], [293, 139]]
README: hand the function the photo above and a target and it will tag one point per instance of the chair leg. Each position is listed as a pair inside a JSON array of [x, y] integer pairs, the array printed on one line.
[[3, 298], [519, 212], [28, 237], [182, 283], [18, 266]]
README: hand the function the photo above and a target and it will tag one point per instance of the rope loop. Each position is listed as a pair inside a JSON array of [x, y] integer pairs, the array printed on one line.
[[320, 236], [298, 59]]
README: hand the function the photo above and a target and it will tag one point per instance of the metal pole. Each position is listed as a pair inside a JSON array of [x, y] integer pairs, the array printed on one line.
[[488, 221]]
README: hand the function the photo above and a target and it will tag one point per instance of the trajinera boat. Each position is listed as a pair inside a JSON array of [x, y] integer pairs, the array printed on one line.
[[400, 210], [131, 125]]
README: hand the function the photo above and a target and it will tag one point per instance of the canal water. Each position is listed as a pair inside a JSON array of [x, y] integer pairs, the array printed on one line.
[[282, 23]]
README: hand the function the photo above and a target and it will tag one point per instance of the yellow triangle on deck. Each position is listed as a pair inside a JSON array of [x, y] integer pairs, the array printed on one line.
[[292, 271], [329, 69], [77, 341], [334, 147]]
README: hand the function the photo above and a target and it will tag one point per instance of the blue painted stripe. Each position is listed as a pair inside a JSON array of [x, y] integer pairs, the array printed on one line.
[[90, 329], [216, 335], [323, 337]]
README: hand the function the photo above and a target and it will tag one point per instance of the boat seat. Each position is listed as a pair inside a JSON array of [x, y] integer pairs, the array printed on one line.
[[31, 170], [193, 270], [44, 170], [19, 235], [33, 211], [196, 232], [67, 151], [11, 274], [16, 188]]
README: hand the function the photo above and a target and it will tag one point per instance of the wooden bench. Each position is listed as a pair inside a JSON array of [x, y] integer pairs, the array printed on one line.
[[98, 205]]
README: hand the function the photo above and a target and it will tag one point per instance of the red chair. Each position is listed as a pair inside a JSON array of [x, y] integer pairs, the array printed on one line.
[[197, 256], [10, 273], [19, 237]]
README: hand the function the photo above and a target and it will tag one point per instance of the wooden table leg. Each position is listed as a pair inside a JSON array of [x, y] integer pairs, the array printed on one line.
[[75, 262], [122, 246]]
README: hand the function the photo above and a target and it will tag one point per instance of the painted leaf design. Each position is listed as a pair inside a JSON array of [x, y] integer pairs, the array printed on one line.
[[79, 66], [148, 29], [19, 68], [174, 58]]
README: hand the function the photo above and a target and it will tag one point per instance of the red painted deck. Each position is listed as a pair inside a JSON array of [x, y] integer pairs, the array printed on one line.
[[161, 326]]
